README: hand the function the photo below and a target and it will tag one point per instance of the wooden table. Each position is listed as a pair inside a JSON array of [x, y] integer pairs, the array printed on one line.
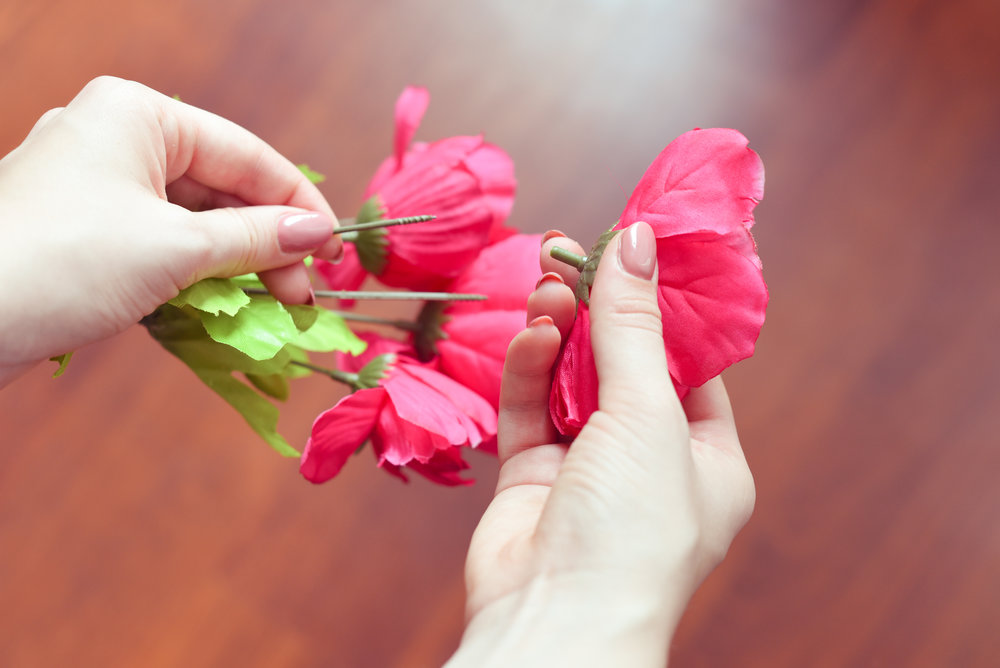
[[142, 524]]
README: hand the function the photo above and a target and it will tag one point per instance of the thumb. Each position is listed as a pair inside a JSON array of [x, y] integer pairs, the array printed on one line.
[[258, 238], [627, 329]]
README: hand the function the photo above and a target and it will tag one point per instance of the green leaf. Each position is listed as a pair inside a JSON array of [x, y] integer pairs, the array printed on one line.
[[180, 331], [314, 177], [260, 329], [303, 316], [328, 332], [274, 385], [63, 361], [213, 295], [259, 413]]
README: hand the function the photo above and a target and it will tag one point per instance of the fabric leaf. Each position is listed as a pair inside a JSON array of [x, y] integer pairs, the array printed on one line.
[[328, 332], [63, 361], [260, 329], [213, 295]]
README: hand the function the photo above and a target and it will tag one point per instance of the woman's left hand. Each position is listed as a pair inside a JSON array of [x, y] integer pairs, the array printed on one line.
[[118, 201]]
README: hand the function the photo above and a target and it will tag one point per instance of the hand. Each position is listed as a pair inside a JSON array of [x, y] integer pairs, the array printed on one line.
[[97, 210], [588, 554]]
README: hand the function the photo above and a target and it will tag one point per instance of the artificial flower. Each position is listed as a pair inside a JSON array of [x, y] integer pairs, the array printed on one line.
[[698, 196], [467, 183], [415, 418]]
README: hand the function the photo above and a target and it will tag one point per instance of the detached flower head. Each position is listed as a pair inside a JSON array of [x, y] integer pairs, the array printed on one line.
[[415, 418], [698, 196], [464, 181]]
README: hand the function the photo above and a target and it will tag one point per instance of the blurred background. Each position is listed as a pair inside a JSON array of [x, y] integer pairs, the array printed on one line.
[[143, 524]]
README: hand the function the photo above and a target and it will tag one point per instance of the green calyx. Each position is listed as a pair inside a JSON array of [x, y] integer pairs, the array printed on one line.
[[372, 245], [375, 371], [587, 265], [430, 330]]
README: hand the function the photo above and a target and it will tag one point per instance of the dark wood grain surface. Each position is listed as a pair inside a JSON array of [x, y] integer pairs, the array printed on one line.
[[143, 524]]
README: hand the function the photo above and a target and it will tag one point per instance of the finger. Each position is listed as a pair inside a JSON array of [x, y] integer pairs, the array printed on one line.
[[710, 415], [525, 433], [289, 284], [552, 297], [523, 418], [550, 264], [228, 158], [627, 330], [234, 241], [194, 196], [44, 119]]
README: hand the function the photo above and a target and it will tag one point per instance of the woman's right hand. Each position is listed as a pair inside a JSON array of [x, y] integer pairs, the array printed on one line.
[[588, 554]]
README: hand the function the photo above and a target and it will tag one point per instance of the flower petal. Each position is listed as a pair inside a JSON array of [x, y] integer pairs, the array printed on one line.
[[346, 275], [427, 399], [705, 180], [505, 272], [481, 416], [399, 441], [494, 170], [713, 300], [474, 352], [410, 108], [444, 468], [338, 432], [574, 384]]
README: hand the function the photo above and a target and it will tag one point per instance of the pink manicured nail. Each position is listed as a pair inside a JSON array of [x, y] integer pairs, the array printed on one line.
[[552, 234], [312, 298], [637, 250], [299, 232], [550, 277], [541, 320]]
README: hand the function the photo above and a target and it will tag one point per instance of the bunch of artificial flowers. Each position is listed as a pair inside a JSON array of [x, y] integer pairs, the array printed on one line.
[[433, 223]]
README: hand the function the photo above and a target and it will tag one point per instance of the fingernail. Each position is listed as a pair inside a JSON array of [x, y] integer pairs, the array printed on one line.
[[637, 250], [541, 321], [552, 234], [312, 298], [550, 277], [299, 232]]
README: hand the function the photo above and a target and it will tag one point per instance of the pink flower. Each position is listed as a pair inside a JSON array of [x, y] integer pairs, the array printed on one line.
[[471, 338], [464, 181], [416, 418], [698, 196]]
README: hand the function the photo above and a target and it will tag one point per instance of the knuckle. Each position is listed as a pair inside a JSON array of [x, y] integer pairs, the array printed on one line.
[[636, 312]]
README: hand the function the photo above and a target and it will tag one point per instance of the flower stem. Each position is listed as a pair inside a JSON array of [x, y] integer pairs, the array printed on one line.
[[351, 379], [570, 258], [404, 295], [375, 320]]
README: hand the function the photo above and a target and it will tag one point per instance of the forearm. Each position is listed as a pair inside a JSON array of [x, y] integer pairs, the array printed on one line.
[[570, 624]]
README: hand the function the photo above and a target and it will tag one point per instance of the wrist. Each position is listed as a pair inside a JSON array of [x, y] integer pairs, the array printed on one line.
[[571, 619]]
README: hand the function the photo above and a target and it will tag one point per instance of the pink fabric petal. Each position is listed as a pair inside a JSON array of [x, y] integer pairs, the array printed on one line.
[[347, 275], [705, 180], [474, 352], [494, 170], [410, 108], [713, 300], [505, 272], [388, 167], [482, 418], [338, 432], [399, 441], [574, 385], [423, 405], [444, 468]]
